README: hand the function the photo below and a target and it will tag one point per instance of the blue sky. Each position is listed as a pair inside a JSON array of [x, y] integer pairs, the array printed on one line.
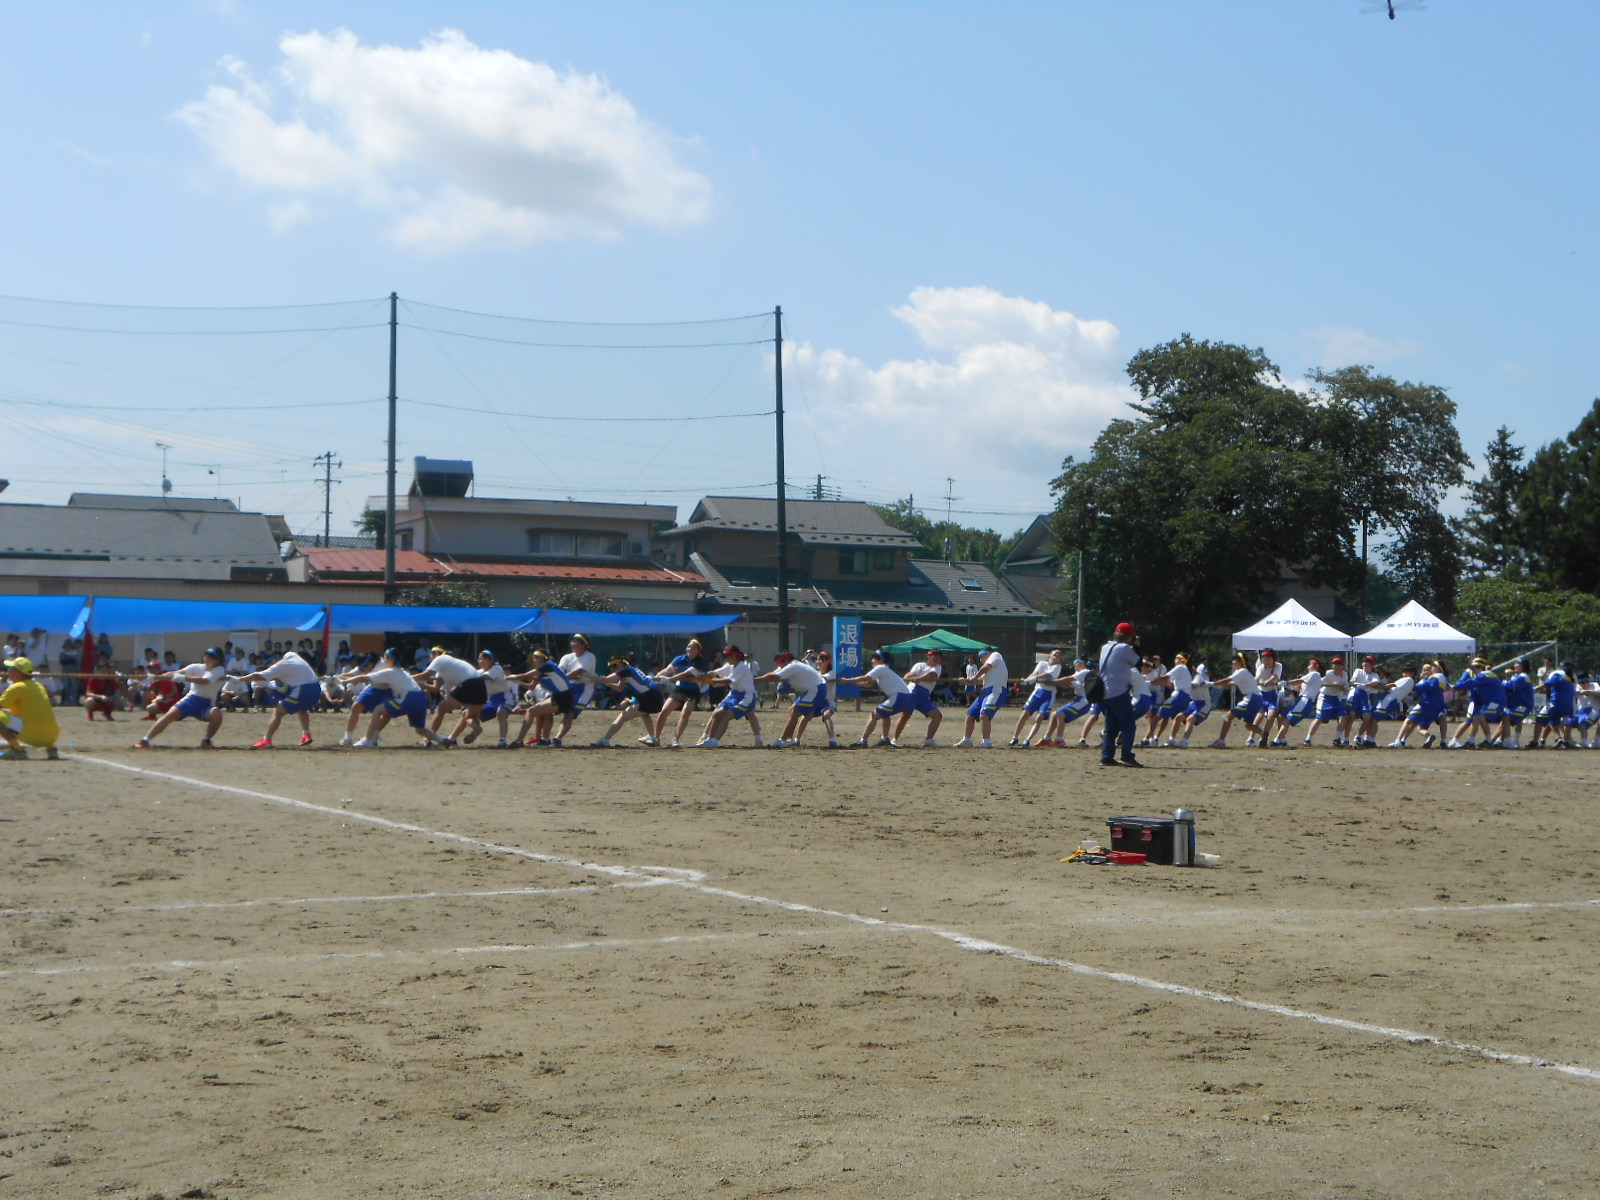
[[972, 216]]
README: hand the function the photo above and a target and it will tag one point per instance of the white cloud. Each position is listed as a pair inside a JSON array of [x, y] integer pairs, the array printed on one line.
[[1012, 388], [1336, 346], [458, 144]]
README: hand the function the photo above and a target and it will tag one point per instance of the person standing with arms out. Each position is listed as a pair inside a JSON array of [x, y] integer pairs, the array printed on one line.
[[990, 680], [897, 697], [683, 674], [205, 682], [738, 704], [641, 698], [810, 691], [580, 669], [1330, 708], [1118, 663], [26, 718]]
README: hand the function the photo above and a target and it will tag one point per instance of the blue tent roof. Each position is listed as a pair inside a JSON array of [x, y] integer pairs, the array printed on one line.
[[53, 614]]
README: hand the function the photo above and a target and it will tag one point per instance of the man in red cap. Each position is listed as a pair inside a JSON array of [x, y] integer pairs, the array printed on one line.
[[1117, 663]]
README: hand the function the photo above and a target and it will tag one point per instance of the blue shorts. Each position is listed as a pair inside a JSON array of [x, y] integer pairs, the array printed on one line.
[[303, 698], [1329, 707], [903, 703], [371, 697], [1490, 711], [1174, 705], [1143, 704], [1250, 707], [1269, 700], [495, 704], [987, 704], [813, 703], [1040, 700], [1517, 714], [1299, 711], [1359, 702], [413, 706], [1549, 715], [193, 706], [923, 701], [740, 704], [1199, 710], [1072, 710], [1388, 709], [1425, 715]]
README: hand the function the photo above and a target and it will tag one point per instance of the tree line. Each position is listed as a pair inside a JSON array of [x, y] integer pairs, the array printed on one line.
[[1191, 514]]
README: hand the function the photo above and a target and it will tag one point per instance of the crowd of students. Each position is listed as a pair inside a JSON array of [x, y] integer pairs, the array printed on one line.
[[695, 694]]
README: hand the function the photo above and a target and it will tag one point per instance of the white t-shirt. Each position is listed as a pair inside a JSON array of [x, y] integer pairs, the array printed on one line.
[[291, 670], [203, 681], [1244, 683], [924, 675], [393, 680], [1046, 676], [1336, 684], [888, 682], [579, 668], [1140, 681], [801, 676], [739, 676], [1268, 675], [1369, 681], [1311, 686], [1080, 680], [494, 679], [1180, 677], [996, 676], [1403, 687], [452, 672]]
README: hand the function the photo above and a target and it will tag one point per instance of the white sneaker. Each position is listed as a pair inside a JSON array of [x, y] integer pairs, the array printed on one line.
[[707, 744], [1183, 744], [1250, 741], [1012, 742], [929, 742], [364, 744], [348, 739], [986, 744], [883, 741], [891, 742], [1219, 745], [964, 744], [676, 745], [859, 742], [777, 743], [1083, 741], [1397, 744], [603, 744]]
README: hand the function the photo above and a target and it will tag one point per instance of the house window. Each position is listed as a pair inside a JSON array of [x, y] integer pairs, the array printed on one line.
[[405, 539], [545, 542], [853, 561], [883, 560], [972, 585], [599, 545]]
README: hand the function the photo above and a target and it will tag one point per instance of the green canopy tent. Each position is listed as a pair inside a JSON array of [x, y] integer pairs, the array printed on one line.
[[939, 639]]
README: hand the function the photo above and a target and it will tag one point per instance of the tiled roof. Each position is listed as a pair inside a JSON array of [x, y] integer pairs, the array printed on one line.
[[334, 563], [174, 503], [813, 522], [938, 590], [156, 543]]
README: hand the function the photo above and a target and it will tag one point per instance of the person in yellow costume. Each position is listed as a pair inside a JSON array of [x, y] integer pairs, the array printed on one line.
[[26, 718]]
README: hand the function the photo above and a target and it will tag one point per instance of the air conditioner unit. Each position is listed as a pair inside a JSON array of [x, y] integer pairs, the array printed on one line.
[[636, 549]]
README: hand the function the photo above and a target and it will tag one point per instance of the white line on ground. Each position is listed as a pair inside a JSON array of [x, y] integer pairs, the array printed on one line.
[[1279, 915], [234, 964], [694, 881]]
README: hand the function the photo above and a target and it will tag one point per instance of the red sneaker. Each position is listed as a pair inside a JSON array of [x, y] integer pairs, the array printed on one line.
[[305, 739], [263, 744], [207, 744], [142, 744]]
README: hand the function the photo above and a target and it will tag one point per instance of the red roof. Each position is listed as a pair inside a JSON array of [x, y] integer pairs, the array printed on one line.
[[333, 564]]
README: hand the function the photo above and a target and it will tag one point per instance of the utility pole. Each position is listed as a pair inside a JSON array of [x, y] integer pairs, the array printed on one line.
[[388, 512], [166, 484], [326, 459], [949, 501], [783, 508]]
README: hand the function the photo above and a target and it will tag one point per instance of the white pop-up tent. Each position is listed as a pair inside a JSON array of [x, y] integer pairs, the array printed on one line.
[[1292, 627], [1415, 630]]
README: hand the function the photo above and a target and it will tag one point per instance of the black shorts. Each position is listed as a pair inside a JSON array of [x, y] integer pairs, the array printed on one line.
[[686, 697], [472, 691], [561, 701], [649, 702]]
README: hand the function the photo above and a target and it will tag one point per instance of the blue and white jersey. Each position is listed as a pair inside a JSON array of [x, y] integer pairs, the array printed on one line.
[[1519, 693], [695, 665], [636, 681], [1561, 690], [552, 678]]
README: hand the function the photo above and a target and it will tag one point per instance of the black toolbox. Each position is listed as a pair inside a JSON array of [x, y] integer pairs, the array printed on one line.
[[1153, 837]]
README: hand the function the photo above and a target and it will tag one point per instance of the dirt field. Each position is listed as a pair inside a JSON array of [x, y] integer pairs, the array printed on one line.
[[483, 973]]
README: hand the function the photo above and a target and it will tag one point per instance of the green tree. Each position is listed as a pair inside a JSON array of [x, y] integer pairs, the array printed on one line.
[[1491, 540], [1496, 609], [1558, 517], [371, 521], [966, 544], [443, 594], [1401, 455], [1187, 515], [563, 595]]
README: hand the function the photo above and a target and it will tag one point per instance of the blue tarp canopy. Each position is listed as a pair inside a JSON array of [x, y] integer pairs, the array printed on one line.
[[401, 618], [53, 614], [118, 614], [599, 624]]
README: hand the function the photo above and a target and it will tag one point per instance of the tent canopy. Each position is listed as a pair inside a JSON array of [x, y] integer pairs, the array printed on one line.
[[53, 614], [118, 614], [939, 639], [1291, 626], [1415, 630], [600, 624]]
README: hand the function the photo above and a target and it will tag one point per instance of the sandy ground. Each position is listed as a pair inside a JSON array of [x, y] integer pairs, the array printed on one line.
[[484, 973]]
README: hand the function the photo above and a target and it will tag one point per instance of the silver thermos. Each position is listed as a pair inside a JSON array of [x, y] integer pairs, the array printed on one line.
[[1183, 838]]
